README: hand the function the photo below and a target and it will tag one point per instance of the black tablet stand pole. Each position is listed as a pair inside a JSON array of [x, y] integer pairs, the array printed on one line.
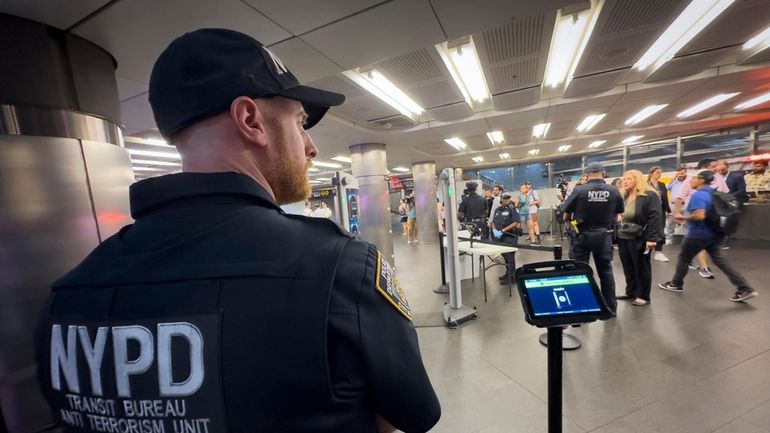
[[555, 379]]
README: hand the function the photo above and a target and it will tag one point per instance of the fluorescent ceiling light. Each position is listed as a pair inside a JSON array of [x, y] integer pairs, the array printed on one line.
[[341, 158], [570, 37], [456, 143], [324, 179], [589, 122], [632, 139], [697, 15], [533, 152], [496, 137], [401, 169], [462, 61], [148, 162], [478, 159], [147, 169], [753, 101], [540, 130], [327, 164], [313, 169], [645, 113], [504, 155], [564, 148], [314, 181], [379, 86], [708, 103], [153, 153], [762, 38], [596, 144]]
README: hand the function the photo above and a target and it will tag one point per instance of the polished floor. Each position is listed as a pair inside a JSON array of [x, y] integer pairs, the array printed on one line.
[[690, 363]]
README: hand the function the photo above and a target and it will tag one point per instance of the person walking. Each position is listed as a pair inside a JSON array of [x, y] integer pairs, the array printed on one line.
[[653, 180], [639, 232], [701, 237], [534, 205]]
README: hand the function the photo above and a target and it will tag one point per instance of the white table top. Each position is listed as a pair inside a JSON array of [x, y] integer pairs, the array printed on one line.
[[484, 249]]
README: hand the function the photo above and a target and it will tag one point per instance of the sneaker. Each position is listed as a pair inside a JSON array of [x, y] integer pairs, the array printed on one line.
[[640, 302], [409, 242], [669, 242], [693, 266], [744, 295], [415, 241], [725, 247], [671, 287], [706, 273], [660, 257]]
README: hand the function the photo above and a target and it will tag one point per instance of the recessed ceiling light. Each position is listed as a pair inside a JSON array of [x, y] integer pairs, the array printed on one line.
[[533, 152], [462, 61], [632, 139], [341, 158], [564, 148], [763, 38], [379, 86], [596, 144], [456, 143], [504, 155], [172, 155], [589, 122], [570, 36], [149, 162], [695, 17], [327, 164], [753, 101], [540, 130], [708, 103], [496, 137], [645, 113], [401, 169], [478, 159]]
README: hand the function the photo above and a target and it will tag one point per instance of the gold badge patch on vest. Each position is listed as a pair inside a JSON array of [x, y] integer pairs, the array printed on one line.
[[388, 285]]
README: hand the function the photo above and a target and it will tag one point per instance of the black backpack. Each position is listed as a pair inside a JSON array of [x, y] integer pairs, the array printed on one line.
[[722, 218]]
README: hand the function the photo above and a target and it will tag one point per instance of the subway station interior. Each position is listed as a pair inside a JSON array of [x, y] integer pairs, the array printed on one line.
[[440, 94]]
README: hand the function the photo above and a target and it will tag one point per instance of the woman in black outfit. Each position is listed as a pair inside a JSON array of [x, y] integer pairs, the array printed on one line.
[[653, 179], [639, 232]]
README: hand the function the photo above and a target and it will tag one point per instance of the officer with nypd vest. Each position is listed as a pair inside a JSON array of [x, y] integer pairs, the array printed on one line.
[[590, 212], [209, 313], [505, 229]]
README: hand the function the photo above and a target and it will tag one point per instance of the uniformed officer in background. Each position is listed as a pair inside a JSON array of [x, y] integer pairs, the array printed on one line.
[[590, 211], [210, 312], [505, 229], [473, 208]]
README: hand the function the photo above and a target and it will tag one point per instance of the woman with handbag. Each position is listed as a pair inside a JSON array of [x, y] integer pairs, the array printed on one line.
[[638, 233]]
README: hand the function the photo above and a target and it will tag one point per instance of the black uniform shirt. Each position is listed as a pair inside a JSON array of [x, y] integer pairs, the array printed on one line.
[[472, 207], [505, 216], [595, 204], [216, 311]]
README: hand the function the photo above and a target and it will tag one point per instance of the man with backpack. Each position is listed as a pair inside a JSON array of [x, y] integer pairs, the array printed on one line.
[[712, 215]]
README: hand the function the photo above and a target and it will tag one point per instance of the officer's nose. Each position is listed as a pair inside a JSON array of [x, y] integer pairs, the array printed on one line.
[[311, 151]]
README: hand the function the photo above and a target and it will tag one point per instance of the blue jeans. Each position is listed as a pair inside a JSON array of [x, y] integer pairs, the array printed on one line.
[[599, 243], [691, 247]]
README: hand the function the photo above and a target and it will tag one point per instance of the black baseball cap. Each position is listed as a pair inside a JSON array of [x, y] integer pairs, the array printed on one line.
[[707, 176], [594, 167], [200, 74], [505, 195]]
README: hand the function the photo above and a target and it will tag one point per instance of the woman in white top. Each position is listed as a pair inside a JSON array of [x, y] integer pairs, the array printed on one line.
[[534, 204]]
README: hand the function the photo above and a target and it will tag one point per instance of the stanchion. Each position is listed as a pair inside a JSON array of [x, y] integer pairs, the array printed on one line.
[[444, 287], [554, 379], [566, 341]]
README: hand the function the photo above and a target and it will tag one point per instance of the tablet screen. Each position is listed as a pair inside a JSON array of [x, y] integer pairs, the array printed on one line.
[[557, 295]]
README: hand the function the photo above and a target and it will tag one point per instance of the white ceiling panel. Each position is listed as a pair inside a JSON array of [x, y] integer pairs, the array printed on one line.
[[461, 17], [455, 111], [478, 143], [687, 65], [137, 115], [304, 61], [301, 16], [382, 32], [436, 93], [593, 84], [579, 109], [129, 88], [61, 14], [365, 109], [135, 32], [466, 129], [340, 84], [516, 99], [742, 20], [437, 149]]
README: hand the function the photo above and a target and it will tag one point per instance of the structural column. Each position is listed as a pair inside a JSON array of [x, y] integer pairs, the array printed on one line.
[[369, 167], [424, 174]]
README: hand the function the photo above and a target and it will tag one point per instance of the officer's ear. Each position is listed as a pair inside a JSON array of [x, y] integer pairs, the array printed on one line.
[[249, 120]]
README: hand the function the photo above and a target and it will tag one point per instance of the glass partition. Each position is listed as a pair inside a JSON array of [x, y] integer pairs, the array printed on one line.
[[716, 146], [644, 157]]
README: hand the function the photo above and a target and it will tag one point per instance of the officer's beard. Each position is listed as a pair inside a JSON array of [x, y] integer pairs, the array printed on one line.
[[287, 178]]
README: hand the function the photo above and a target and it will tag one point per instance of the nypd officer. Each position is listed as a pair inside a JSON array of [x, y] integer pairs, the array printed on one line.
[[210, 313], [505, 226], [473, 209], [592, 208]]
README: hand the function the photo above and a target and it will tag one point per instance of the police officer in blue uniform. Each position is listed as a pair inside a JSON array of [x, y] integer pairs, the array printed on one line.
[[591, 210], [210, 313], [505, 228], [473, 208]]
